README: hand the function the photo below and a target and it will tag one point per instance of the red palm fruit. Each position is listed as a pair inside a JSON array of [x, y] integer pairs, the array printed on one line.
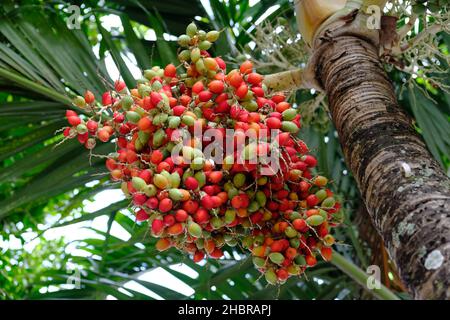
[[190, 206], [89, 97], [163, 166], [258, 92], [165, 205], [116, 174], [175, 229], [74, 120], [223, 196], [144, 124], [139, 199], [246, 67], [156, 157], [198, 87], [198, 256], [131, 156], [254, 78], [222, 107], [92, 125], [272, 206], [71, 113], [312, 200], [152, 203], [216, 86], [254, 117], [106, 98], [205, 96], [103, 135], [216, 254], [259, 251], [277, 98], [311, 260], [216, 201], [282, 194], [119, 85], [235, 79], [273, 123], [209, 246], [191, 183], [209, 190], [141, 215], [282, 106], [236, 202], [67, 132], [178, 110], [207, 202], [155, 98], [300, 225], [326, 253], [157, 226], [221, 63], [304, 186], [146, 175], [169, 220], [291, 253], [201, 216], [282, 274], [181, 215], [163, 244], [215, 177], [147, 103], [242, 91], [111, 164], [276, 246], [185, 100], [256, 217], [310, 161], [170, 71]]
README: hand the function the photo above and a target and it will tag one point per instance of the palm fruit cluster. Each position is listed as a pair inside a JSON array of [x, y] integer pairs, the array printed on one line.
[[198, 205]]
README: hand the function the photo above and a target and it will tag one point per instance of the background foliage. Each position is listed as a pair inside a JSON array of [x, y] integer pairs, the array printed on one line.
[[43, 187]]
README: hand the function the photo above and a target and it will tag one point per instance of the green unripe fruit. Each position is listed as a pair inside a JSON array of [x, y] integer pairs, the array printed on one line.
[[197, 163], [294, 242], [212, 36], [230, 215], [195, 54], [143, 137], [184, 40], [124, 188], [200, 66], [158, 138], [133, 116], [201, 34], [79, 101], [195, 230], [276, 257], [261, 198], [253, 207], [321, 194], [315, 220], [251, 106], [328, 202], [191, 29], [289, 126], [232, 192], [228, 162], [138, 183], [156, 86], [259, 262], [127, 102], [239, 180], [247, 242], [174, 122], [81, 128], [323, 214], [204, 45], [200, 243], [250, 151], [175, 180], [150, 190], [271, 277], [295, 215], [175, 194], [201, 178], [184, 55], [290, 232], [293, 269], [149, 74], [188, 120], [216, 222], [289, 114], [300, 260]]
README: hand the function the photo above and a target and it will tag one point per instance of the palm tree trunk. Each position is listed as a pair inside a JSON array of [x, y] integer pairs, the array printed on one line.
[[406, 192]]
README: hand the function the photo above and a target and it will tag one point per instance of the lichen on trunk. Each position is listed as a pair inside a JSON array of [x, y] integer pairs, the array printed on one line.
[[405, 190]]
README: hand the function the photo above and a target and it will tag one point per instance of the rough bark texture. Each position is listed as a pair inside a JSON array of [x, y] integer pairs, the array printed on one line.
[[410, 208]]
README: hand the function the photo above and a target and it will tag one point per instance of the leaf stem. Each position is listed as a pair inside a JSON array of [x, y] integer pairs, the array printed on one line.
[[358, 275], [51, 93]]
